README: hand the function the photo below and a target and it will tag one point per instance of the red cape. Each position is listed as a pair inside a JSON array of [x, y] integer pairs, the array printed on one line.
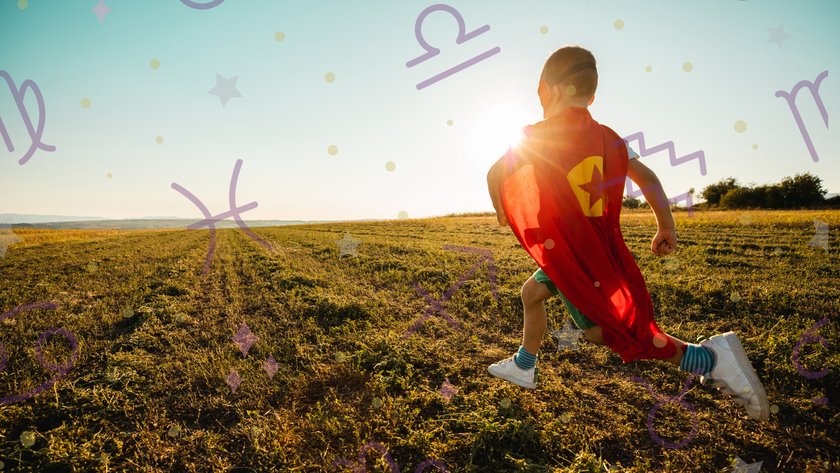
[[561, 191]]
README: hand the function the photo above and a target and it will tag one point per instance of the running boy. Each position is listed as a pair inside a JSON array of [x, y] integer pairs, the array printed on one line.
[[560, 190]]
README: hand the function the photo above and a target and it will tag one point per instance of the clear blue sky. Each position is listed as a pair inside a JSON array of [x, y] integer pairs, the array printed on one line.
[[289, 114]]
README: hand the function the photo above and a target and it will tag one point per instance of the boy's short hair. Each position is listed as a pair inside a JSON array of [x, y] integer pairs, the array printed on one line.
[[572, 65]]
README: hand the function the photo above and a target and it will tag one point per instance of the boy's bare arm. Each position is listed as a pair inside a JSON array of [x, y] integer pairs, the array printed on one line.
[[665, 240], [493, 177]]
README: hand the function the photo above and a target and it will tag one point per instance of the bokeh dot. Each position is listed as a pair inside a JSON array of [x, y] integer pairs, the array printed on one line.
[[543, 29], [450, 122], [402, 214], [85, 102], [755, 147], [279, 36], [340, 357], [329, 77], [774, 409], [571, 90], [597, 283], [332, 149], [735, 297], [154, 64], [688, 67], [505, 403], [377, 403], [648, 69], [22, 4], [619, 24], [660, 340], [27, 438], [158, 139], [110, 175], [740, 126], [549, 244], [390, 166]]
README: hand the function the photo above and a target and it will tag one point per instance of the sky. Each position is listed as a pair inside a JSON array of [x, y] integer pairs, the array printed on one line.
[[330, 125]]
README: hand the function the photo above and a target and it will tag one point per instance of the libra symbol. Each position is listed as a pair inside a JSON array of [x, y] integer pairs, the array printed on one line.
[[431, 51], [210, 220]]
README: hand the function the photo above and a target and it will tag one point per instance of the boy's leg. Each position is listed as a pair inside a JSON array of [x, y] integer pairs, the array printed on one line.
[[534, 295], [521, 368]]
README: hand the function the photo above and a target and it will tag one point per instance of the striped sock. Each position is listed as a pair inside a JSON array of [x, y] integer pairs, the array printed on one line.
[[697, 359], [524, 360]]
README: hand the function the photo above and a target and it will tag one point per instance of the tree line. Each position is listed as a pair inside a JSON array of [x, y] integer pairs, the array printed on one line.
[[800, 191]]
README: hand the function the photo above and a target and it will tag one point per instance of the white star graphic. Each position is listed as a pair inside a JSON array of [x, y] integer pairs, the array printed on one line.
[[820, 238], [347, 246], [7, 238], [567, 337], [743, 467], [225, 89], [777, 35]]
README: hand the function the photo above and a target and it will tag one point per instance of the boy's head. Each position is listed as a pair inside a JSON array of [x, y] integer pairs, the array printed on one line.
[[569, 78]]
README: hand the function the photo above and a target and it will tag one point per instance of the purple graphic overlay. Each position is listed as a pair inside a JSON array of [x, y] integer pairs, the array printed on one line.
[[233, 380], [210, 220], [35, 133], [436, 306], [431, 51], [59, 369], [100, 10], [202, 6], [244, 338], [447, 390], [662, 400], [810, 336], [360, 465], [675, 160], [790, 98]]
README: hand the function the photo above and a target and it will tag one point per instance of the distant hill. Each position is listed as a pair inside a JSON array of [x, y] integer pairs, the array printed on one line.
[[64, 222], [27, 218]]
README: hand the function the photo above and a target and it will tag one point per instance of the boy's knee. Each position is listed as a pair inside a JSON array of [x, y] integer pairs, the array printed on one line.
[[594, 335], [534, 292]]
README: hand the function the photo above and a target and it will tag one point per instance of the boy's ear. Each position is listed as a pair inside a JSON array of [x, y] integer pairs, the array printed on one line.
[[591, 99]]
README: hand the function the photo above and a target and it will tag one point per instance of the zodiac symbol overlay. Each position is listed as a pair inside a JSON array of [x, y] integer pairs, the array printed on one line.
[[810, 336], [662, 400], [210, 220], [431, 51], [202, 6], [360, 466], [35, 133], [675, 160], [436, 306], [59, 370], [790, 98]]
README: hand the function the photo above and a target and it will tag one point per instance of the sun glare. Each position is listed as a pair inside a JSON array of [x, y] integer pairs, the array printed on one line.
[[495, 132]]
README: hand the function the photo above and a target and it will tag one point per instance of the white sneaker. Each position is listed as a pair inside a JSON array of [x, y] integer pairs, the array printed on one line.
[[734, 375], [507, 370]]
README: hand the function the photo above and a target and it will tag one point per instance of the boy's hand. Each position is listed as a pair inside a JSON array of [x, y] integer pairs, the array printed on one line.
[[500, 216], [665, 242]]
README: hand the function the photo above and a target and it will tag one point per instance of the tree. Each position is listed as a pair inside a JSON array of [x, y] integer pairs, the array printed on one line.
[[714, 192], [631, 203], [802, 190]]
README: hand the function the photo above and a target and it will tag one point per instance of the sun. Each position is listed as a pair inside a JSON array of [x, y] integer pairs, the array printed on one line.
[[496, 131]]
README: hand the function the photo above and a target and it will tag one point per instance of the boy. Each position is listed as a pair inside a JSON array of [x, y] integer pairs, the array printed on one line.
[[560, 190]]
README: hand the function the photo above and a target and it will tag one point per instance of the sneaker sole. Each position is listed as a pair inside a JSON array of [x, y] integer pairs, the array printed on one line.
[[514, 381], [744, 362]]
